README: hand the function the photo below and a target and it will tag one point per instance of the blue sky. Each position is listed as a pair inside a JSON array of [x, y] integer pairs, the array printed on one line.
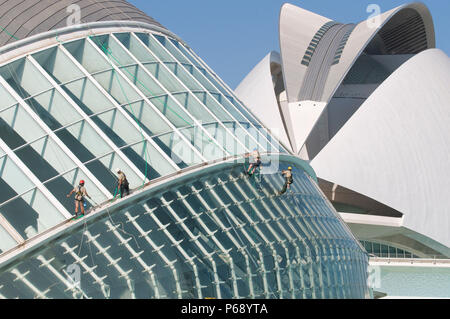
[[232, 36]]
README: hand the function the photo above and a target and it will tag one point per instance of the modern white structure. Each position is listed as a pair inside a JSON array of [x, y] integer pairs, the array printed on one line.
[[368, 105], [115, 90]]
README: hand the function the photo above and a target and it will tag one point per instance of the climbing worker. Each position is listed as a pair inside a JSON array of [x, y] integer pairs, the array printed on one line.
[[80, 192], [288, 180], [255, 161], [122, 183]]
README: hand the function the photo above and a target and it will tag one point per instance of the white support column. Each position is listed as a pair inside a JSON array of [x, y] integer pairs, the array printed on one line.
[[123, 112], [11, 230], [207, 69], [131, 84], [179, 81], [87, 119], [53, 136], [33, 178]]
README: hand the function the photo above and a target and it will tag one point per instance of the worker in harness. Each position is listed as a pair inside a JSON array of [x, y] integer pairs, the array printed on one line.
[[255, 161], [122, 184], [288, 180], [80, 193]]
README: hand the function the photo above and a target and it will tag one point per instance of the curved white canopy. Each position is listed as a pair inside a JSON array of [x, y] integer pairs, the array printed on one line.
[[395, 148]]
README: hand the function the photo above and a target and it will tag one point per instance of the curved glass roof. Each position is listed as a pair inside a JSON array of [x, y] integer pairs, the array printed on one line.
[[218, 234], [139, 101]]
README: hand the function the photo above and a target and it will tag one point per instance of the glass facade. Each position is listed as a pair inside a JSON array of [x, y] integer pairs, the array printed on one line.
[[146, 103], [385, 250], [215, 234], [77, 110]]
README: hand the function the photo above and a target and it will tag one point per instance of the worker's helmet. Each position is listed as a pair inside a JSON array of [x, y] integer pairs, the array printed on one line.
[[290, 168], [118, 170], [82, 182]]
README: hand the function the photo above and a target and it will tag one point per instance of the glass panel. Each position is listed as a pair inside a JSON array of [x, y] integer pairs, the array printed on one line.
[[53, 109], [268, 142], [6, 241], [177, 149], [13, 181], [83, 141], [58, 65], [200, 77], [135, 47], [117, 128], [241, 135], [147, 118], [112, 50], [225, 139], [203, 143], [104, 169], [142, 80], [117, 87], [17, 127], [87, 56], [169, 46], [7, 99], [143, 153], [196, 109], [172, 47], [183, 76], [45, 158], [154, 47], [212, 105], [24, 78], [186, 53], [31, 213], [164, 77], [87, 96], [229, 107], [172, 111]]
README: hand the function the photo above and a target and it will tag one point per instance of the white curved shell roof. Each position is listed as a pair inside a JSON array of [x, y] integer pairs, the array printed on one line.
[[257, 88], [330, 48], [297, 28], [361, 36], [392, 147], [395, 148]]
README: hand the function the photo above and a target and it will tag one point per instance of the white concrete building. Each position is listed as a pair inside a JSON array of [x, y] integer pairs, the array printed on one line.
[[368, 105]]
